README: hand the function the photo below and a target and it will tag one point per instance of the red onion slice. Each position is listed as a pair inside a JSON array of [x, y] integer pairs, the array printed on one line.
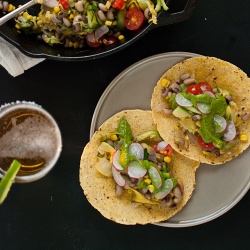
[[100, 31], [90, 37]]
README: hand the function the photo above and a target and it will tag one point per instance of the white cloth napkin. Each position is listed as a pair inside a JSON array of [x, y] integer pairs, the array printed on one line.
[[13, 60]]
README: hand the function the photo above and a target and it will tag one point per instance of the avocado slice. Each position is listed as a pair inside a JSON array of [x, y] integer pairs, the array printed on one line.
[[152, 135], [181, 113]]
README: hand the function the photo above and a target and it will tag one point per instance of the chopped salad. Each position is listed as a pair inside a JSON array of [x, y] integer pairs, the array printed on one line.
[[89, 23], [140, 165], [208, 116]]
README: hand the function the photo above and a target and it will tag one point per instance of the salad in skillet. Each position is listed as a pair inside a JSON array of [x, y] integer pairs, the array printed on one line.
[[87, 23]]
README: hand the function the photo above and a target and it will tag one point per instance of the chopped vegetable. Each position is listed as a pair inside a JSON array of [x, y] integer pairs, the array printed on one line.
[[7, 180], [73, 23], [139, 164]]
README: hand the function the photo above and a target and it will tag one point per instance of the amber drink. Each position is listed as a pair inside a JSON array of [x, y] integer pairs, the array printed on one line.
[[29, 134]]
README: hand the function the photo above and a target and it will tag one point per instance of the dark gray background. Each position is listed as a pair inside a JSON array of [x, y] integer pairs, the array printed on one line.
[[53, 213]]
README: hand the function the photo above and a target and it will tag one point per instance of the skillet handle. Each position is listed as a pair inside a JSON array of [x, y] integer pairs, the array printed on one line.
[[167, 18]]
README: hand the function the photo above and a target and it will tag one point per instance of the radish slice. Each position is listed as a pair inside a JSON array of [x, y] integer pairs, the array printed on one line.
[[165, 189], [220, 123], [161, 145], [155, 176], [135, 170], [207, 92], [182, 101], [203, 107], [136, 150], [115, 160], [230, 132], [120, 181]]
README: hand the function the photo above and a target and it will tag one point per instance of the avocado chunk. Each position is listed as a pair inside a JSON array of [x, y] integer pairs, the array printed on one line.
[[181, 113], [188, 124], [152, 135]]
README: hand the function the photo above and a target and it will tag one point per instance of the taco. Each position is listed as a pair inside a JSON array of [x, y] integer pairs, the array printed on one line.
[[130, 175], [201, 107]]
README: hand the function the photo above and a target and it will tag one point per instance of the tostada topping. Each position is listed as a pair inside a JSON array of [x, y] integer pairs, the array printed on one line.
[[208, 116], [139, 165]]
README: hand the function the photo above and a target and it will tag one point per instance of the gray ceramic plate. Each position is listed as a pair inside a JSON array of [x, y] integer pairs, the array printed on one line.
[[218, 188]]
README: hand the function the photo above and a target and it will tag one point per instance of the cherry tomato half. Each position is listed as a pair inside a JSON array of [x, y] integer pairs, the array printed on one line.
[[134, 19], [64, 3], [205, 145], [194, 89], [165, 151], [117, 4], [95, 44], [205, 86]]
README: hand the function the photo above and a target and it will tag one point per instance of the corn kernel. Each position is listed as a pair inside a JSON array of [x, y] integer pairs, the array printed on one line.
[[146, 176], [113, 137], [76, 45], [121, 37], [11, 8], [167, 159], [25, 14], [108, 4], [47, 19], [222, 152], [244, 138], [164, 82], [108, 23], [70, 44], [39, 23], [71, 16], [186, 137], [148, 181], [18, 26], [132, 6], [229, 152], [205, 152], [151, 188], [56, 9], [130, 191]]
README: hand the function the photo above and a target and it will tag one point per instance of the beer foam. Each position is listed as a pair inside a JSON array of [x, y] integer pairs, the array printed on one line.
[[34, 137]]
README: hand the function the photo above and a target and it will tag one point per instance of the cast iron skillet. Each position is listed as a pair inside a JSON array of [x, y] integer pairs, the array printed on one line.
[[179, 10]]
